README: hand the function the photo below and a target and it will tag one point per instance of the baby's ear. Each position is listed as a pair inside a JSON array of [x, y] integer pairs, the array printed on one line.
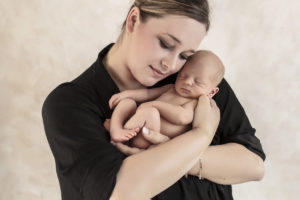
[[213, 92]]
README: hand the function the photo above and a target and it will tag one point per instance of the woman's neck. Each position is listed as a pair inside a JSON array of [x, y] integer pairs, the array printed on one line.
[[115, 64]]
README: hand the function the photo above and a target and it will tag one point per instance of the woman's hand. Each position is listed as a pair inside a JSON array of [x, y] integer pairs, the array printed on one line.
[[207, 115], [153, 137]]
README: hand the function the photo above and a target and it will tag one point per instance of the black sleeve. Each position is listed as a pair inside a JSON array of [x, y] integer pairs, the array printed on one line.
[[86, 162], [234, 124]]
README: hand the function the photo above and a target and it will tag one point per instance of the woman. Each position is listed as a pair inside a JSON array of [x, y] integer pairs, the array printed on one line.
[[157, 38]]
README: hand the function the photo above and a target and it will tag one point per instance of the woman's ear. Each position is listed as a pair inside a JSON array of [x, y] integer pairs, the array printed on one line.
[[213, 92], [132, 19]]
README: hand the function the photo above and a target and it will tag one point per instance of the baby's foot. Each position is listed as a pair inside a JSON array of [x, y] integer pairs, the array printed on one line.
[[122, 135]]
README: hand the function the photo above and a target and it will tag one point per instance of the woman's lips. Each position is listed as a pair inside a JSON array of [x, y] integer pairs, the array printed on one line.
[[157, 72]]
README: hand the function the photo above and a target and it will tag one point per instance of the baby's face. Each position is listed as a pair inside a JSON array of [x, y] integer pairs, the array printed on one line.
[[196, 79]]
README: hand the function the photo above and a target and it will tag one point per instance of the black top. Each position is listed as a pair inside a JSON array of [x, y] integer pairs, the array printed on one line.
[[86, 162]]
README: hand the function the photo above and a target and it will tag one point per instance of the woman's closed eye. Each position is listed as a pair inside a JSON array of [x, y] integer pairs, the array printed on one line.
[[164, 45], [183, 57]]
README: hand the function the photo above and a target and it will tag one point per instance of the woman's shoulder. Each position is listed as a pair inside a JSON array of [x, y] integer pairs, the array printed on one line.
[[224, 89], [225, 96], [232, 112], [67, 94], [91, 90]]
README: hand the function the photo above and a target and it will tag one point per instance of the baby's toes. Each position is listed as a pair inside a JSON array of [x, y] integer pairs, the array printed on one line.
[[129, 134]]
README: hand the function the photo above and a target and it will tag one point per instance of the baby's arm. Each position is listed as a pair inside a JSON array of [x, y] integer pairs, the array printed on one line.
[[138, 95], [180, 115]]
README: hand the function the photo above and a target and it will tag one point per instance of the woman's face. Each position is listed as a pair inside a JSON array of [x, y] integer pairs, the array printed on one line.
[[160, 46]]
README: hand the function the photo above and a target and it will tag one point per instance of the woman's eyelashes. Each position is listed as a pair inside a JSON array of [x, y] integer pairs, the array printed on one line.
[[183, 57], [165, 45]]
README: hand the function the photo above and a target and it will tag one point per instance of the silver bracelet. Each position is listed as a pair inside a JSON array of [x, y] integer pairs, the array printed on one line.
[[200, 169]]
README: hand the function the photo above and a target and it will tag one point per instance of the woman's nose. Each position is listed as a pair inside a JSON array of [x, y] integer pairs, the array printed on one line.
[[169, 64]]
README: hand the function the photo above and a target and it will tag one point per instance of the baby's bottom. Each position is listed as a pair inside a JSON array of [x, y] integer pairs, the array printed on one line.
[[150, 116]]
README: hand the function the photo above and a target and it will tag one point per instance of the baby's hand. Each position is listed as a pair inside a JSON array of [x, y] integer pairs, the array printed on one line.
[[116, 98]]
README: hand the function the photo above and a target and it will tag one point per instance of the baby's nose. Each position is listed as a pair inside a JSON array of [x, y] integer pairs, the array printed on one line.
[[188, 81]]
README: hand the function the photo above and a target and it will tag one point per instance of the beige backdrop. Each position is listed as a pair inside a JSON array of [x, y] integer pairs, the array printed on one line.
[[44, 43]]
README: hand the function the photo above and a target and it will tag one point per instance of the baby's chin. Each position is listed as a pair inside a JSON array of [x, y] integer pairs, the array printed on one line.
[[189, 96], [192, 96]]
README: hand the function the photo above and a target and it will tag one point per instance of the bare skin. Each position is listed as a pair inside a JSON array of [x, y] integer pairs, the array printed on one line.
[[129, 64], [171, 113], [199, 137]]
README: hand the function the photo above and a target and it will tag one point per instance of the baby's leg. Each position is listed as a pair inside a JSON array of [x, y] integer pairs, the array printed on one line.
[[124, 110], [148, 116], [173, 130]]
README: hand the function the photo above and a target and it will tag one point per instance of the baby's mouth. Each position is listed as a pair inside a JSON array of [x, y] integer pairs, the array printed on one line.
[[184, 90]]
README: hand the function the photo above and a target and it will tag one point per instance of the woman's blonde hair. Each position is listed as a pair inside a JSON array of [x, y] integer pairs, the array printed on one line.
[[195, 9]]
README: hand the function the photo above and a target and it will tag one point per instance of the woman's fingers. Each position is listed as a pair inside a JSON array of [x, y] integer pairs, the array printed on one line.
[[207, 115], [215, 108], [213, 103], [154, 137], [126, 149]]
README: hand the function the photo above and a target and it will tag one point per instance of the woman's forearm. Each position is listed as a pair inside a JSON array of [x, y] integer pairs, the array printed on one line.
[[229, 164], [148, 173]]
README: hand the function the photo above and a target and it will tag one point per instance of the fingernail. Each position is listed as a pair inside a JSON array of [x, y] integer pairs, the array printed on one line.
[[113, 143], [145, 131]]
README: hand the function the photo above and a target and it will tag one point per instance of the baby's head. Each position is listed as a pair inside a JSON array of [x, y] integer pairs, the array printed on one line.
[[201, 75]]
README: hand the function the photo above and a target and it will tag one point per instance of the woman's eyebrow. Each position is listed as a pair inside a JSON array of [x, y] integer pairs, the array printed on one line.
[[173, 37]]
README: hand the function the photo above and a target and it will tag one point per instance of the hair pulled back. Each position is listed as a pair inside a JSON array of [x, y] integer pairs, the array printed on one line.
[[195, 9]]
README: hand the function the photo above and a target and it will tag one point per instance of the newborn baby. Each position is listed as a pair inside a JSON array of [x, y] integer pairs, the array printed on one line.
[[168, 109]]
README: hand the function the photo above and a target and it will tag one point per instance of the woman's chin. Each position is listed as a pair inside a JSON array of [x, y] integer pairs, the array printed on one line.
[[149, 83]]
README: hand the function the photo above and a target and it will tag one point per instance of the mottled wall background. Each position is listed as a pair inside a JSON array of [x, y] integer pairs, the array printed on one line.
[[44, 43]]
